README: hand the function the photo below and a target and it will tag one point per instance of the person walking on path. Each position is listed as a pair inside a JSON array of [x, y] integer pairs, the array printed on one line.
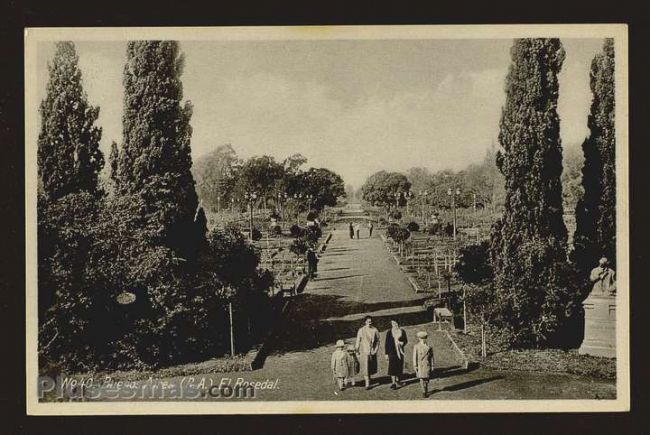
[[353, 365], [423, 362], [351, 231], [312, 263], [370, 227], [339, 364], [394, 349], [357, 229], [367, 345]]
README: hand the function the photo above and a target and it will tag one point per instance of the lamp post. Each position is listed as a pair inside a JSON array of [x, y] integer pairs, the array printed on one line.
[[407, 196], [424, 202], [250, 197], [453, 194], [281, 196], [298, 198]]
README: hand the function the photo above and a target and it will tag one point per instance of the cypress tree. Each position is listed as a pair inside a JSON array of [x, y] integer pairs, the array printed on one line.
[[154, 160], [113, 160], [70, 198], [596, 211], [529, 243], [69, 158]]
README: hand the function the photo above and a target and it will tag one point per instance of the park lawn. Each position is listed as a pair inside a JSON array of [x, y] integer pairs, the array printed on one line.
[[500, 357]]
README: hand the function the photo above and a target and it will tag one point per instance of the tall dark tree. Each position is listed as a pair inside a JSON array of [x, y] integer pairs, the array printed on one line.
[[69, 163], [596, 212], [154, 159], [529, 243], [69, 158]]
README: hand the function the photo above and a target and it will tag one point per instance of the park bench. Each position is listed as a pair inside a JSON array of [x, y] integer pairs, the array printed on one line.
[[442, 314]]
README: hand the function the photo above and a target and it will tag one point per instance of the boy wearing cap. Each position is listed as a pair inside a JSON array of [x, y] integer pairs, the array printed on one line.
[[423, 361], [340, 364]]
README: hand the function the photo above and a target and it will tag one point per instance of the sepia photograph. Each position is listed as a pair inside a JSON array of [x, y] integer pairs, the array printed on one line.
[[345, 219]]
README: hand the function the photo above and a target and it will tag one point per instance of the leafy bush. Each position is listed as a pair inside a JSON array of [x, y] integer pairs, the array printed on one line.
[[257, 234], [276, 230], [298, 247], [536, 297], [449, 229], [413, 226], [474, 265], [397, 233], [311, 216], [434, 229], [179, 310], [396, 214], [296, 231]]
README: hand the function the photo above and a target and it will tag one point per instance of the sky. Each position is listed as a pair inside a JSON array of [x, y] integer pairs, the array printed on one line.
[[353, 106]]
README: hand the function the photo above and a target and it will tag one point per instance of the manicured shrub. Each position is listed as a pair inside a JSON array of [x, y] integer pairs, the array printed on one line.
[[257, 234], [413, 226], [396, 214], [298, 247], [296, 231], [434, 229]]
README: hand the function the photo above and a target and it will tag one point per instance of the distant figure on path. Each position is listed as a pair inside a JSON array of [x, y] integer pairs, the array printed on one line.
[[339, 364], [351, 231], [394, 349], [357, 229], [604, 279], [367, 345], [312, 263], [423, 362], [370, 227]]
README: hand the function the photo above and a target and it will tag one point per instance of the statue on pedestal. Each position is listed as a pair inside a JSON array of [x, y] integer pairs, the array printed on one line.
[[600, 313], [604, 279]]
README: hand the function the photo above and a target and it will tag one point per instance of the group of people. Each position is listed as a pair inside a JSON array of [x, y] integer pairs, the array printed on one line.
[[356, 229], [361, 358]]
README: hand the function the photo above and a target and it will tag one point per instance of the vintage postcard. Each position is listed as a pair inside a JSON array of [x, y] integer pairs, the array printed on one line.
[[371, 219]]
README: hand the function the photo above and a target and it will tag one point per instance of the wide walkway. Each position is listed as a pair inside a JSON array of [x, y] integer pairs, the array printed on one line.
[[356, 278]]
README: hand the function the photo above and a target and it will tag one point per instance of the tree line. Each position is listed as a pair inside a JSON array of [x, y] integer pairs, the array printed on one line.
[[534, 285], [129, 275], [527, 280], [224, 181], [479, 185]]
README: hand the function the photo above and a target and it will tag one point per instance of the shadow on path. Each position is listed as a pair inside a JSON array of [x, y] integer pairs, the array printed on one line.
[[308, 328], [472, 383]]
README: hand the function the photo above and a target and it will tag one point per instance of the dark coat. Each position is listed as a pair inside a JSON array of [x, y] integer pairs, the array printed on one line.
[[389, 344], [395, 360], [312, 258]]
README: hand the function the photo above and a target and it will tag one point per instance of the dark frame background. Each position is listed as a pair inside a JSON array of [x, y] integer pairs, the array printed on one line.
[[16, 14]]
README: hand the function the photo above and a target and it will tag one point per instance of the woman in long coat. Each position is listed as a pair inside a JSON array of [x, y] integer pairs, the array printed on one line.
[[394, 349], [367, 345], [351, 230]]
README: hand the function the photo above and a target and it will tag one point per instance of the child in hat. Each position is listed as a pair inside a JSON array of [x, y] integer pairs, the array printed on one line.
[[339, 364], [423, 361], [353, 365]]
